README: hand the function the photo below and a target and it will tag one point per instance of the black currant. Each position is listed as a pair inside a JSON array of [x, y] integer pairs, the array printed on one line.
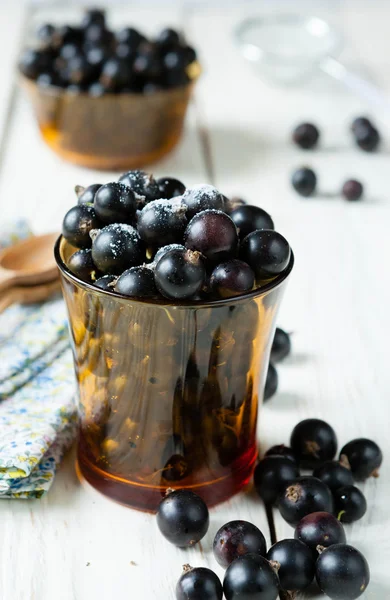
[[304, 181], [168, 37], [350, 504], [251, 577], [130, 36], [271, 382], [248, 218], [235, 539], [272, 475], [334, 474], [116, 73], [297, 564], [34, 62], [190, 54], [313, 441], [137, 282], [180, 274], [170, 187], [199, 583], [164, 249], [174, 60], [361, 122], [352, 190], [97, 34], [151, 87], [94, 16], [202, 197], [303, 496], [234, 203], [107, 282], [115, 203], [45, 34], [117, 247], [281, 345], [142, 183], [82, 265], [267, 252], [231, 278], [183, 518], [66, 33], [125, 52], [46, 80], [306, 136], [79, 70], [174, 456], [148, 61], [96, 56], [96, 90], [69, 51], [367, 138], [212, 233], [77, 224], [319, 529], [364, 456], [342, 572], [282, 450], [162, 222], [87, 195]]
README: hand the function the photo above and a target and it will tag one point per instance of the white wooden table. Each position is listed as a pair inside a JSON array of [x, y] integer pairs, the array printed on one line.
[[74, 544]]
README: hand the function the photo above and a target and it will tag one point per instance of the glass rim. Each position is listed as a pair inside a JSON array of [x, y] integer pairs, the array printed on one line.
[[268, 287]]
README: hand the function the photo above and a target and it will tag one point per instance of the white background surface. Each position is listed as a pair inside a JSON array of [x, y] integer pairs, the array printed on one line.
[[76, 545]]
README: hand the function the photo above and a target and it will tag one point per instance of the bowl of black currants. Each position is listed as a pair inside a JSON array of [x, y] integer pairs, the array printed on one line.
[[172, 295], [109, 99]]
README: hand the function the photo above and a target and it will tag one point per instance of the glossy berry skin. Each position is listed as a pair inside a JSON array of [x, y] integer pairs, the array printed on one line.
[[306, 136], [303, 496], [164, 249], [34, 62], [282, 450], [350, 504], [117, 247], [94, 16], [342, 572], [77, 224], [248, 218], [297, 564], [251, 577], [304, 181], [115, 203], [87, 195], [367, 138], [314, 442], [267, 252], [45, 34], [202, 197], [364, 456], [130, 36], [96, 90], [271, 382], [198, 584], [162, 222], [168, 37], [116, 73], [79, 70], [170, 187], [180, 274], [361, 122], [333, 474], [352, 190], [82, 265], [137, 282], [272, 475], [320, 529], [235, 539], [142, 183], [183, 518], [281, 345], [107, 282], [212, 233], [232, 278]]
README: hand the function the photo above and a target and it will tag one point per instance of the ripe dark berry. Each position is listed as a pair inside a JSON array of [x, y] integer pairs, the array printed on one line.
[[313, 441], [304, 181], [117, 247], [267, 252], [232, 278], [116, 73], [361, 122], [130, 36], [367, 138], [107, 282], [272, 475], [125, 52], [271, 382], [164, 249], [202, 197], [303, 496], [306, 136], [248, 218], [142, 183], [69, 51], [87, 195], [168, 37], [334, 474], [45, 34], [212, 233], [34, 62], [96, 90], [251, 577], [352, 190], [170, 187], [297, 564], [82, 265], [342, 572], [198, 584], [190, 54], [319, 529], [137, 282], [79, 70], [350, 504], [180, 274], [162, 222], [93, 16], [65, 34], [99, 35], [46, 80], [174, 61], [281, 345], [148, 61], [183, 518], [77, 224], [282, 450], [364, 457], [235, 539], [115, 203]]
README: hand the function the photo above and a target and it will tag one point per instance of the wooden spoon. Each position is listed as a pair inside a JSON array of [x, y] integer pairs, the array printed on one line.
[[30, 262], [28, 294]]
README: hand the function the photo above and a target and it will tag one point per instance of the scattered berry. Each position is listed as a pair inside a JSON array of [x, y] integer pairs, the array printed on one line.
[[251, 577], [198, 584], [183, 518], [303, 496], [77, 224], [297, 564], [180, 274], [282, 450], [137, 282], [334, 474], [272, 475], [212, 233], [306, 136], [320, 529], [364, 457], [304, 181], [248, 218], [281, 345], [202, 197], [162, 222], [115, 203], [271, 382], [313, 441], [267, 252], [170, 187], [367, 138], [350, 504], [361, 122], [232, 278], [342, 572], [82, 265], [117, 247], [235, 539], [352, 190], [87, 195]]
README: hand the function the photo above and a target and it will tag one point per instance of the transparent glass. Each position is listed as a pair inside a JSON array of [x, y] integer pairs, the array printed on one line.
[[169, 394]]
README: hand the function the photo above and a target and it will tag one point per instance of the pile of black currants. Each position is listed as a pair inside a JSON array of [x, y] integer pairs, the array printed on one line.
[[155, 239], [316, 506], [91, 58]]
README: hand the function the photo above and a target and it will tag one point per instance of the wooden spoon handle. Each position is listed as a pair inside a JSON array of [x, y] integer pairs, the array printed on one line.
[[6, 279], [28, 295]]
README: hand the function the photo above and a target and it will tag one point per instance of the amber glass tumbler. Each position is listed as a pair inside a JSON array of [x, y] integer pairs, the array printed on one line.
[[169, 394]]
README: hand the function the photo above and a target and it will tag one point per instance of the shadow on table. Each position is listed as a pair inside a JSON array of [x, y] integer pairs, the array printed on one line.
[[234, 149]]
